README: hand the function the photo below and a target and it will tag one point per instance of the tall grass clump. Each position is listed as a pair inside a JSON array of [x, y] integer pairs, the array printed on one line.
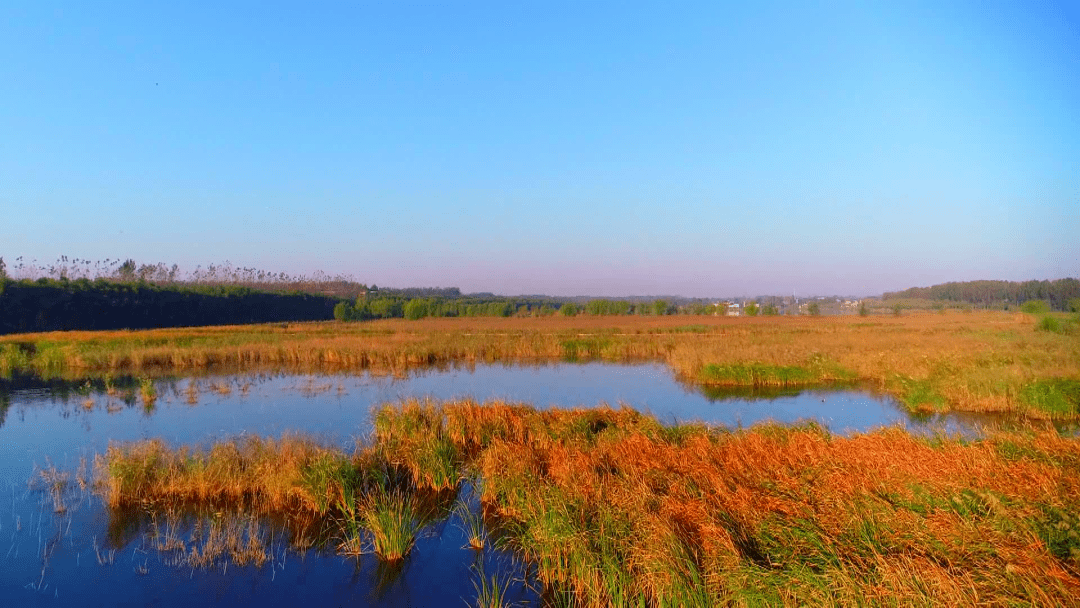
[[265, 475], [148, 392], [393, 520], [412, 436], [472, 524], [491, 591], [56, 483]]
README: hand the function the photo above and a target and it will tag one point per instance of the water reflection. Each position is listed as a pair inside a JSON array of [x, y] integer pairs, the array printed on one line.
[[338, 405], [105, 557]]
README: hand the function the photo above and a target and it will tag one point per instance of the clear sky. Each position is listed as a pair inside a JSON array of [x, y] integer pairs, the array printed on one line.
[[688, 148]]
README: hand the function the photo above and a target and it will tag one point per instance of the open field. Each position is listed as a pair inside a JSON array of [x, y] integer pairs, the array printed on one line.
[[611, 508], [978, 361]]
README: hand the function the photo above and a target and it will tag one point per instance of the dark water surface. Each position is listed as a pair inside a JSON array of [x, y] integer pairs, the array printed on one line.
[[88, 556]]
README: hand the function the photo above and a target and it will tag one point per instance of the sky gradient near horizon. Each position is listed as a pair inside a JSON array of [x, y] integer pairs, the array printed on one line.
[[566, 148]]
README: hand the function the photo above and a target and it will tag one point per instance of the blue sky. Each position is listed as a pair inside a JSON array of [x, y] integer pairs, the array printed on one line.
[[702, 149]]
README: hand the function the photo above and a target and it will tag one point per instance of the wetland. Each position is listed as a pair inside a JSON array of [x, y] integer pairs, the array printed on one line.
[[603, 474]]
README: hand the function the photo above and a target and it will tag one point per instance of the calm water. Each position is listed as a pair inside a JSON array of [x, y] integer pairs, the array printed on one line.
[[56, 559]]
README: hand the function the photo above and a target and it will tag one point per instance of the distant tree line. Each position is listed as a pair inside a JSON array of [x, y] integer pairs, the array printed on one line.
[[80, 294], [378, 305], [1059, 294], [60, 304]]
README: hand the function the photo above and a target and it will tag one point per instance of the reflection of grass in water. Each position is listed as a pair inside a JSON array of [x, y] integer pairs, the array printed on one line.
[[311, 388], [192, 392], [722, 393], [241, 538], [612, 508], [221, 388]]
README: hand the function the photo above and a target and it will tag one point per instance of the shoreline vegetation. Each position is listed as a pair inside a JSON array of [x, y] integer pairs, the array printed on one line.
[[609, 507], [931, 362]]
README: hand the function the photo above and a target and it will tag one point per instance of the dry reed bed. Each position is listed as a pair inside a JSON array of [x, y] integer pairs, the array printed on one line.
[[966, 361], [612, 508]]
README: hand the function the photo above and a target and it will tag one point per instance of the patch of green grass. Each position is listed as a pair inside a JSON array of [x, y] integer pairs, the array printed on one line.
[[437, 464], [783, 432], [1050, 324], [677, 434], [687, 329], [330, 479], [16, 355], [491, 591], [969, 504], [584, 348], [393, 520], [919, 396], [757, 374], [817, 370], [1059, 324], [1058, 397], [785, 542], [1059, 528]]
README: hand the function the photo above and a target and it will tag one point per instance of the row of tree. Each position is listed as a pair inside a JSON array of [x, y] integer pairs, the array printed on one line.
[[56, 305], [383, 307], [213, 275], [1059, 293], [390, 307]]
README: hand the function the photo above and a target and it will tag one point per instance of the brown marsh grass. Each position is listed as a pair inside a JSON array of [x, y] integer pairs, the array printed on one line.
[[978, 361], [613, 508]]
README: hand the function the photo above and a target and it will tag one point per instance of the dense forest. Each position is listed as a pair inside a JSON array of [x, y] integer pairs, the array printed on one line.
[[51, 305], [1061, 294]]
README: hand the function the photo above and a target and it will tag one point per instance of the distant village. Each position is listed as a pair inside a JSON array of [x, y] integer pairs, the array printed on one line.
[[788, 305]]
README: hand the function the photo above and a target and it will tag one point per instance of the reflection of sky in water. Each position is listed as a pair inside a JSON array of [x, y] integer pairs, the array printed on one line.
[[337, 408], [38, 427]]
